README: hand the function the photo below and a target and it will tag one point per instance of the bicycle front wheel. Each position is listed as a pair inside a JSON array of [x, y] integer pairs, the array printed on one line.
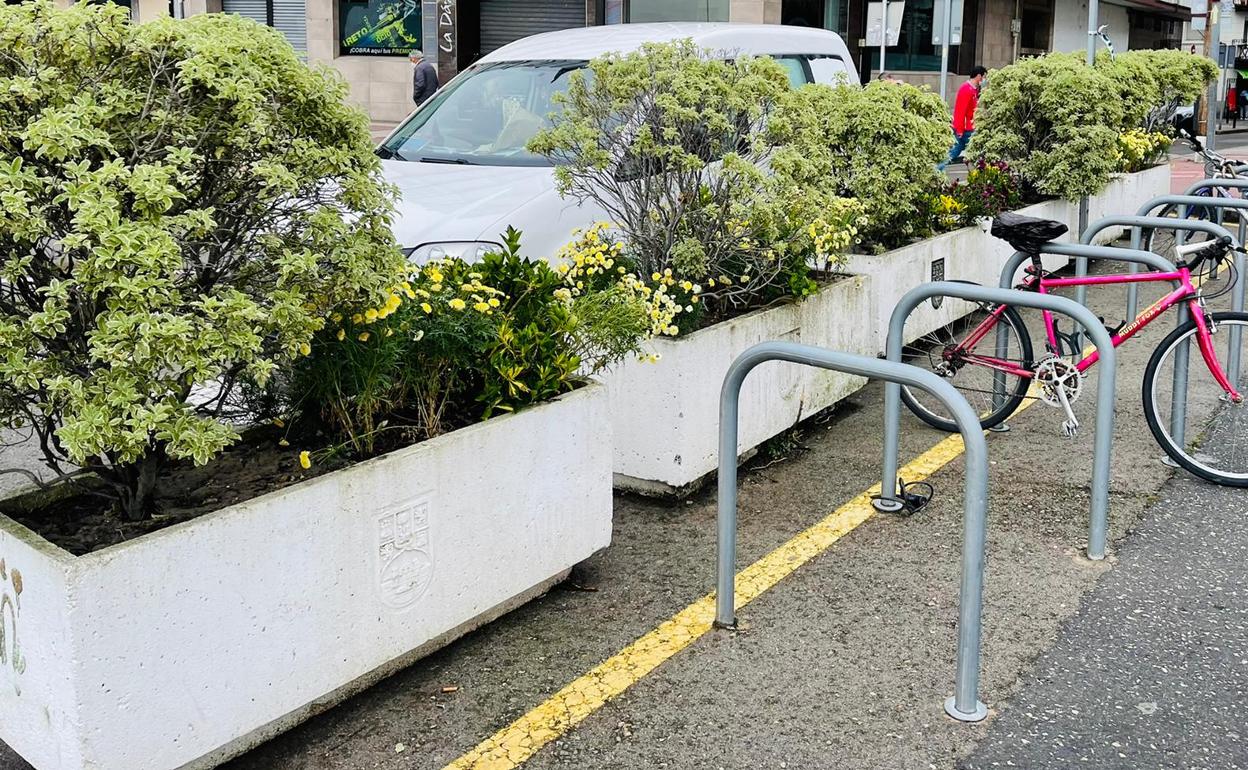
[[992, 394], [1209, 436]]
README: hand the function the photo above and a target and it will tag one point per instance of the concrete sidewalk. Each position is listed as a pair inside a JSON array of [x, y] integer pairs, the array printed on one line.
[[845, 663], [1153, 671]]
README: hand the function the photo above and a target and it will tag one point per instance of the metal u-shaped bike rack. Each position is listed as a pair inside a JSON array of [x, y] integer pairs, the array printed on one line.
[[964, 705], [1178, 404], [1137, 233], [1099, 524]]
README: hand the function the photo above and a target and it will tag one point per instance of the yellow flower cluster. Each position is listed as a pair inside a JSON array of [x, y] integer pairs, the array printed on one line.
[[592, 253], [831, 238]]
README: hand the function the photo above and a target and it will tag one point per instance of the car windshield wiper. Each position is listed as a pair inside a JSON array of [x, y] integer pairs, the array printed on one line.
[[457, 161]]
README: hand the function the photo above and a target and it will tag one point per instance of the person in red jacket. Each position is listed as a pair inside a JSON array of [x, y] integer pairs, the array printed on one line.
[[964, 114]]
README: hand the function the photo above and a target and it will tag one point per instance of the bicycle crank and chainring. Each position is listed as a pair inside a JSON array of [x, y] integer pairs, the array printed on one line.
[[1060, 386]]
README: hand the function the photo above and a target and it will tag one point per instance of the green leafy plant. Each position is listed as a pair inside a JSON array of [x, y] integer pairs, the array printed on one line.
[[989, 189], [879, 145], [672, 142], [181, 202], [1053, 119], [457, 342], [1152, 83], [1058, 121]]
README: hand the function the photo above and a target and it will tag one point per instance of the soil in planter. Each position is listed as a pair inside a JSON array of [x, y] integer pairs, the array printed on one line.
[[81, 523]]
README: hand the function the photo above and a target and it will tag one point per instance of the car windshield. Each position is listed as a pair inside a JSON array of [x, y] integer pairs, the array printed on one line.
[[486, 117]]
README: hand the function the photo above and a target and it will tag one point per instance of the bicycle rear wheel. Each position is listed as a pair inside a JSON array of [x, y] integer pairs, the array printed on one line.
[[934, 352], [1214, 441]]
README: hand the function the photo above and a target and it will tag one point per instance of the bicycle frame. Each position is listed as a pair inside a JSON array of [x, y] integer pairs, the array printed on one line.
[[1186, 292]]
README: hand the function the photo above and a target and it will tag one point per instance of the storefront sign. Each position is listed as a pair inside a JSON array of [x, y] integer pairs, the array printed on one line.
[[938, 22], [378, 27], [448, 40]]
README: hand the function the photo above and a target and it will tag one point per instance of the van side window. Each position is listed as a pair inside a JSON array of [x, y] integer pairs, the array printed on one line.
[[796, 70], [828, 69]]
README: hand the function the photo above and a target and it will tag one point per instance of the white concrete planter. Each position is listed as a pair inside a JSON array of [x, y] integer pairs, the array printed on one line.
[[190, 645], [665, 415], [971, 254], [1124, 195]]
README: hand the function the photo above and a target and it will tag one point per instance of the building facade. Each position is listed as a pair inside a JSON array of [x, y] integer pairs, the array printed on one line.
[[367, 40]]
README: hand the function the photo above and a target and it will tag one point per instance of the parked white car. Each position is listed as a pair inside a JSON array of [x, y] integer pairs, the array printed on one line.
[[460, 159]]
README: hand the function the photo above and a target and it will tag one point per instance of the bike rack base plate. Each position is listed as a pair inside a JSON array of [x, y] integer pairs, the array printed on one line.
[[884, 505], [978, 715]]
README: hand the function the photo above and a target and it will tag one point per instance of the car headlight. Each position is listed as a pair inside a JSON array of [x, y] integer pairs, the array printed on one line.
[[469, 251]]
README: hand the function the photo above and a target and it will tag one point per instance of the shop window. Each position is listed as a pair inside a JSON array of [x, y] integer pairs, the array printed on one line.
[[677, 10], [286, 16], [378, 27], [914, 51]]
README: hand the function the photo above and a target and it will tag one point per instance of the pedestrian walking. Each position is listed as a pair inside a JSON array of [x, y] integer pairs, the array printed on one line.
[[1243, 101], [424, 78], [964, 114], [1232, 105]]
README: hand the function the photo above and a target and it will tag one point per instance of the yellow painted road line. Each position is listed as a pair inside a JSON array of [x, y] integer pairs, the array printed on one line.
[[515, 744], [520, 740]]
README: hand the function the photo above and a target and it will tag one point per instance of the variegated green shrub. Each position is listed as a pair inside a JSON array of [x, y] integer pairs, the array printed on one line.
[[180, 203]]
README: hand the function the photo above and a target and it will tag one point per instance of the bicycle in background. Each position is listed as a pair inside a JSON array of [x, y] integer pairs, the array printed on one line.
[[995, 379]]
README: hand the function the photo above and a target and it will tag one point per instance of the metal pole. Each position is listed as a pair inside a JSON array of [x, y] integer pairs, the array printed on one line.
[[1093, 9], [1099, 525], [964, 705], [1081, 263], [946, 36], [1237, 304], [1215, 104], [1133, 289], [883, 31]]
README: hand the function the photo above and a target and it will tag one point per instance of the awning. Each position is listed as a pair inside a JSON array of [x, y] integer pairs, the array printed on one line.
[[1156, 8]]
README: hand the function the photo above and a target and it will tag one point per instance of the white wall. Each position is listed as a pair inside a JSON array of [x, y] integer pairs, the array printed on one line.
[[1070, 25]]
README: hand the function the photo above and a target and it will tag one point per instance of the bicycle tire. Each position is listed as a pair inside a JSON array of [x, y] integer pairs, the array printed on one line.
[[1016, 391], [1182, 452]]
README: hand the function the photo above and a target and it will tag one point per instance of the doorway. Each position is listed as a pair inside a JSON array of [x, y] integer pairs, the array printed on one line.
[[802, 13]]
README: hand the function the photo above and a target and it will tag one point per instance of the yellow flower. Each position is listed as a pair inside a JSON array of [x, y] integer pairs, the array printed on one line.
[[283, 442], [494, 302], [305, 349], [370, 315], [357, 318], [336, 317], [656, 277], [342, 334], [305, 460], [425, 306], [388, 332], [457, 304], [481, 307], [363, 337]]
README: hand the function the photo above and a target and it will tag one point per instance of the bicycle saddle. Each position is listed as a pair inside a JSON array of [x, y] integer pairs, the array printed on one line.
[[1027, 234]]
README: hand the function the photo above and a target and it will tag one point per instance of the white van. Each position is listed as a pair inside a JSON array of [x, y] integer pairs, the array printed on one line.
[[460, 159]]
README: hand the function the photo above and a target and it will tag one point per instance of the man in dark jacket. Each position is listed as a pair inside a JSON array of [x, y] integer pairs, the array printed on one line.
[[424, 78]]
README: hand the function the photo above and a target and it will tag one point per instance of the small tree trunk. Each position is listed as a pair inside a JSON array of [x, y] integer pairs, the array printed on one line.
[[137, 501]]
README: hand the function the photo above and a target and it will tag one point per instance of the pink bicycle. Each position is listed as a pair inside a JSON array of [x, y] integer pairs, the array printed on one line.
[[990, 358]]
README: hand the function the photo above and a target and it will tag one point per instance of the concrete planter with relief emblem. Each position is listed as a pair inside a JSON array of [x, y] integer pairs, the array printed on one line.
[[192, 644]]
